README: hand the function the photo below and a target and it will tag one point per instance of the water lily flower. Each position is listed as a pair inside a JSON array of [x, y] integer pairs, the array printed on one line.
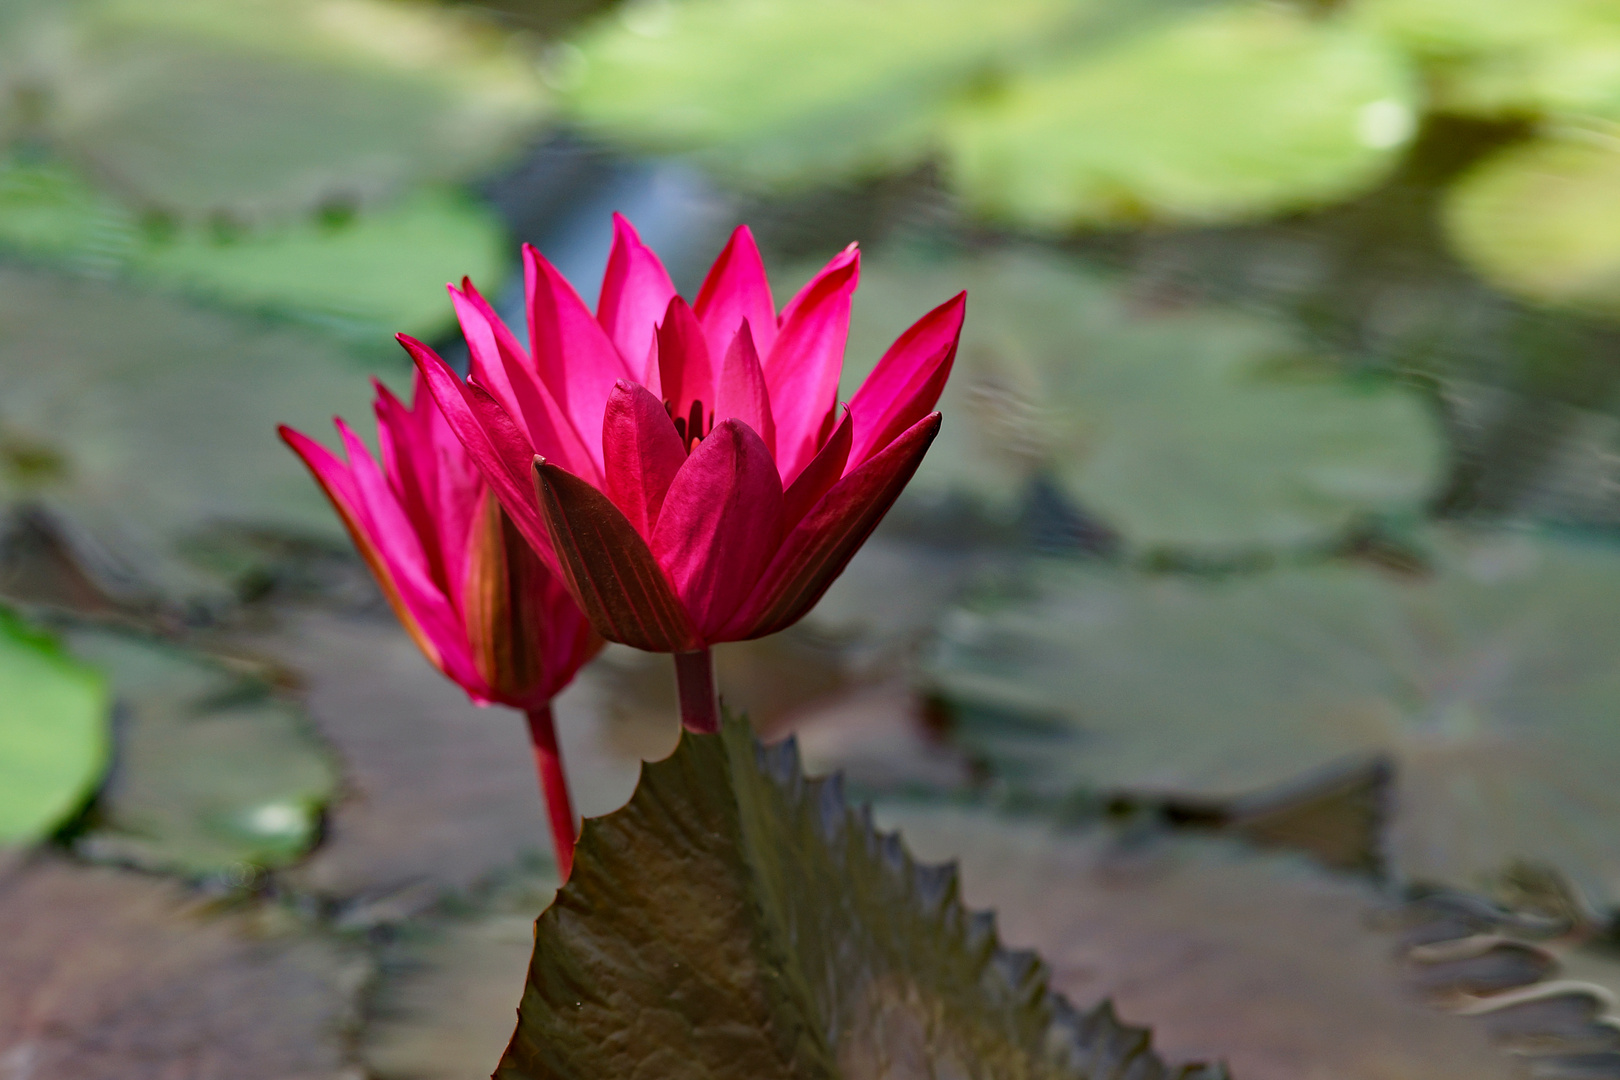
[[464, 583], [687, 469]]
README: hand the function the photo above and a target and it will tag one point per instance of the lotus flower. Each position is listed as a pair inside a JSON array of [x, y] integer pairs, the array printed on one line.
[[688, 470], [466, 585]]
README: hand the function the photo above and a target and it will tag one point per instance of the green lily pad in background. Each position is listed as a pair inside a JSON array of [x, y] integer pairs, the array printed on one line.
[[785, 91], [1493, 685], [53, 731], [264, 108], [140, 419], [1541, 219], [214, 770], [821, 949], [1232, 113], [367, 276], [1195, 429]]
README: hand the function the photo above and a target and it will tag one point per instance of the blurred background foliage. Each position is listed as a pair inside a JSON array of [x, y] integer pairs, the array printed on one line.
[[1277, 493]]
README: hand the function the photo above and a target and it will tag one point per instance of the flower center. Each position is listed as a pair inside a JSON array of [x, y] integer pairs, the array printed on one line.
[[690, 428]]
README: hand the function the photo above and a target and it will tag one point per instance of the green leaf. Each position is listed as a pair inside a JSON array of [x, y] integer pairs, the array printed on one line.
[[735, 919], [367, 276], [1242, 111], [154, 419], [53, 731], [1197, 429], [795, 91], [1539, 220], [1492, 683], [214, 770]]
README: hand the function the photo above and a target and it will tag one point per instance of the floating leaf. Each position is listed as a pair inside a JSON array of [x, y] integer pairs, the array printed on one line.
[[1195, 428], [1260, 960], [107, 973], [214, 771], [779, 91], [1492, 684], [368, 276], [735, 919], [259, 108], [53, 731], [1539, 220], [1244, 110], [140, 419]]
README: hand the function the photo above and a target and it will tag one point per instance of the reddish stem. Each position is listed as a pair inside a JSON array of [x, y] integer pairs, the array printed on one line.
[[553, 785], [694, 679]]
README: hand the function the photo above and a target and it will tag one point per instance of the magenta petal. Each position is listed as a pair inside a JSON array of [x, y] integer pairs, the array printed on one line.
[[643, 454], [570, 350], [721, 524], [685, 369], [906, 384], [408, 460], [818, 548], [822, 473], [803, 368], [635, 291], [736, 289], [741, 392]]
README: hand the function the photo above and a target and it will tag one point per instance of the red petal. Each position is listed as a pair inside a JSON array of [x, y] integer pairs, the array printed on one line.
[[803, 368], [721, 524], [820, 546], [643, 454], [635, 291], [906, 384], [741, 391], [685, 369], [571, 351], [820, 475], [608, 567], [737, 289]]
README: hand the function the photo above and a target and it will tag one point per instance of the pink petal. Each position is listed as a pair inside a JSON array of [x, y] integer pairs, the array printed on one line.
[[803, 368], [685, 370], [736, 289], [643, 454], [906, 384], [818, 548], [741, 391], [408, 460], [635, 291], [822, 473], [608, 567], [490, 437], [721, 524], [573, 354]]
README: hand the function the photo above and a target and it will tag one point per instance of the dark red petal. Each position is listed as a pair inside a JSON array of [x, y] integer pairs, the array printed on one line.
[[820, 546], [721, 524], [685, 370], [906, 384], [736, 289], [741, 392], [635, 290], [643, 454], [803, 367], [608, 567], [822, 473]]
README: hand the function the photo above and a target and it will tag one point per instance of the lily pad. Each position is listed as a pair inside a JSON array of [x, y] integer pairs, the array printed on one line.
[[1491, 683], [366, 276], [139, 419], [1539, 220], [215, 772], [264, 108], [822, 948], [1260, 960], [794, 91], [53, 731], [1235, 112], [1197, 428]]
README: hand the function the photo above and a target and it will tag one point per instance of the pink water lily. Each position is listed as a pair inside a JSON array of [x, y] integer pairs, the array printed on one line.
[[688, 470], [467, 587]]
